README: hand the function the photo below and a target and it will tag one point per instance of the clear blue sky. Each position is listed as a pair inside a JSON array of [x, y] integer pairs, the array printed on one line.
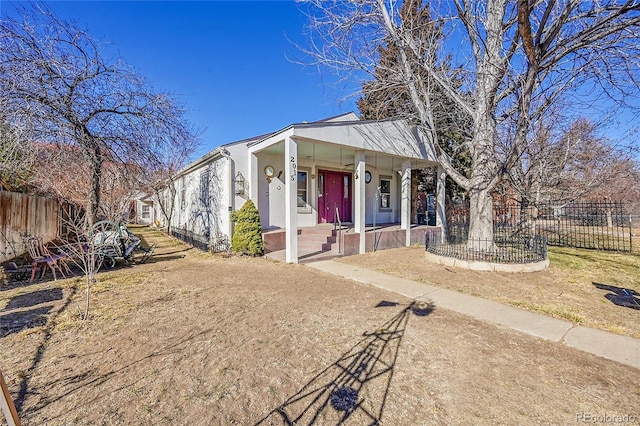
[[231, 63]]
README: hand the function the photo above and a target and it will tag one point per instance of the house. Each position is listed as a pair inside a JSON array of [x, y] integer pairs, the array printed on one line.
[[141, 209], [341, 171]]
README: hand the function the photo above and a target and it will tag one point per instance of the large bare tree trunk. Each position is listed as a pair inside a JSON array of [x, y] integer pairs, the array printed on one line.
[[94, 193], [480, 218]]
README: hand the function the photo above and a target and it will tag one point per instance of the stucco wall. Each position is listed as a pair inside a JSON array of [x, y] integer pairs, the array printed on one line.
[[207, 216]]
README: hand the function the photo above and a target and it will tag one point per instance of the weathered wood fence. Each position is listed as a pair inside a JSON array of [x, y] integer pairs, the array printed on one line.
[[25, 215]]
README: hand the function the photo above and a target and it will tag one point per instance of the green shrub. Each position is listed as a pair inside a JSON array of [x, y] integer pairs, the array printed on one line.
[[247, 236]]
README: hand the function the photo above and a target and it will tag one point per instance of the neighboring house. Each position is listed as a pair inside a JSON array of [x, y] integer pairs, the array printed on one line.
[[342, 168], [141, 209]]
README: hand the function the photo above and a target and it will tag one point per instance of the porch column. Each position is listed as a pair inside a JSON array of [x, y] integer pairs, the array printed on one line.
[[360, 200], [441, 217], [253, 178], [291, 196], [405, 201]]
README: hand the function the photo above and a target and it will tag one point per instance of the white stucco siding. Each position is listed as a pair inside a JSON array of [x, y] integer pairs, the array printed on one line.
[[202, 200], [238, 154], [271, 195]]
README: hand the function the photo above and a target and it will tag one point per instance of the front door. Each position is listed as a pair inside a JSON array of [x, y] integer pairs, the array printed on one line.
[[334, 191]]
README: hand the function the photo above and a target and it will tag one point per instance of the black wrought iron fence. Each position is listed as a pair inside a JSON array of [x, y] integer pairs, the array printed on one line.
[[218, 244], [591, 225], [512, 250], [191, 238]]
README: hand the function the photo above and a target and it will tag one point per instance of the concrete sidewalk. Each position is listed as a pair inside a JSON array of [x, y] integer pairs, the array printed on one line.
[[623, 349]]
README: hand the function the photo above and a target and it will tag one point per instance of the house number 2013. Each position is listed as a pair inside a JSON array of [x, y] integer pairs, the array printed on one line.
[[294, 166]]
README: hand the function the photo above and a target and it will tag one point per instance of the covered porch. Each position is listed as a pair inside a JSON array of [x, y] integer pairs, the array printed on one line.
[[327, 241], [349, 175]]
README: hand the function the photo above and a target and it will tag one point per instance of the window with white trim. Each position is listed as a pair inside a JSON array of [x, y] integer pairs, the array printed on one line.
[[385, 193], [146, 211], [303, 192], [204, 189]]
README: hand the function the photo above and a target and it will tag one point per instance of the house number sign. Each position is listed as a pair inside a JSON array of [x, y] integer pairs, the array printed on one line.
[[294, 167]]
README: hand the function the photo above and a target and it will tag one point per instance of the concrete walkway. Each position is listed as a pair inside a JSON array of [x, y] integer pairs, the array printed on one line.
[[623, 349]]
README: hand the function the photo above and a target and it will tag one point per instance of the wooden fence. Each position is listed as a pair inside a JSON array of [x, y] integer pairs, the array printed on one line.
[[25, 215]]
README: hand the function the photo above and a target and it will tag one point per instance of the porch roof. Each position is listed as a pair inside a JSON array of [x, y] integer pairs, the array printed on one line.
[[333, 139]]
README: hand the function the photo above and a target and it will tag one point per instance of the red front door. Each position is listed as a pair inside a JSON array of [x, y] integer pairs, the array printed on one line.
[[334, 191]]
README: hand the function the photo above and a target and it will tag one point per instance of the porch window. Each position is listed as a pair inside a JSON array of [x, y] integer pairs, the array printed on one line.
[[303, 192], [385, 193]]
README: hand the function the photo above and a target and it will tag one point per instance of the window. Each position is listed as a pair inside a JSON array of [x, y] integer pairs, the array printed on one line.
[[320, 185], [385, 193], [303, 191], [204, 189], [146, 212], [183, 193], [345, 190]]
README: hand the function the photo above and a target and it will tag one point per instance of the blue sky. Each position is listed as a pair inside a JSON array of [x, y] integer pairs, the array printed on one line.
[[231, 63]]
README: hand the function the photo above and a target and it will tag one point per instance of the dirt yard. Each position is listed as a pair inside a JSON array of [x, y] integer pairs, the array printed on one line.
[[193, 339]]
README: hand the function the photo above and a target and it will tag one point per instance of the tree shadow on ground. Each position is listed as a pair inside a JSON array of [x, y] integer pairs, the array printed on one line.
[[84, 377], [47, 319], [620, 296], [356, 386]]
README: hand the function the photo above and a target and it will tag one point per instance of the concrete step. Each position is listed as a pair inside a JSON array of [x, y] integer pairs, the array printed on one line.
[[310, 246], [329, 246], [316, 231], [316, 238]]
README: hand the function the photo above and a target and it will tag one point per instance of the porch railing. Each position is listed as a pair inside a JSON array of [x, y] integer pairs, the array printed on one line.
[[339, 224]]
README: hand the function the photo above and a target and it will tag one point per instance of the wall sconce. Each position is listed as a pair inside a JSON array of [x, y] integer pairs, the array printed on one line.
[[239, 183]]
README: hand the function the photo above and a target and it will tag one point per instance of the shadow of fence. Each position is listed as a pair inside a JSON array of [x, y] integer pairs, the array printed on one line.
[[14, 318], [356, 386]]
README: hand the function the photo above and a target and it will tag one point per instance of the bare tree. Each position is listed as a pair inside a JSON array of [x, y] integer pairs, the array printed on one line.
[[80, 247], [17, 157], [120, 182], [159, 180], [563, 165], [61, 90], [516, 60]]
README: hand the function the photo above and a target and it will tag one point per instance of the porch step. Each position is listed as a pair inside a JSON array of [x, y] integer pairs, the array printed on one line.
[[317, 239], [329, 231]]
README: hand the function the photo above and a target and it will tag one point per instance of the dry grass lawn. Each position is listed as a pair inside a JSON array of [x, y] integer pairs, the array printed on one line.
[[580, 285], [194, 339]]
